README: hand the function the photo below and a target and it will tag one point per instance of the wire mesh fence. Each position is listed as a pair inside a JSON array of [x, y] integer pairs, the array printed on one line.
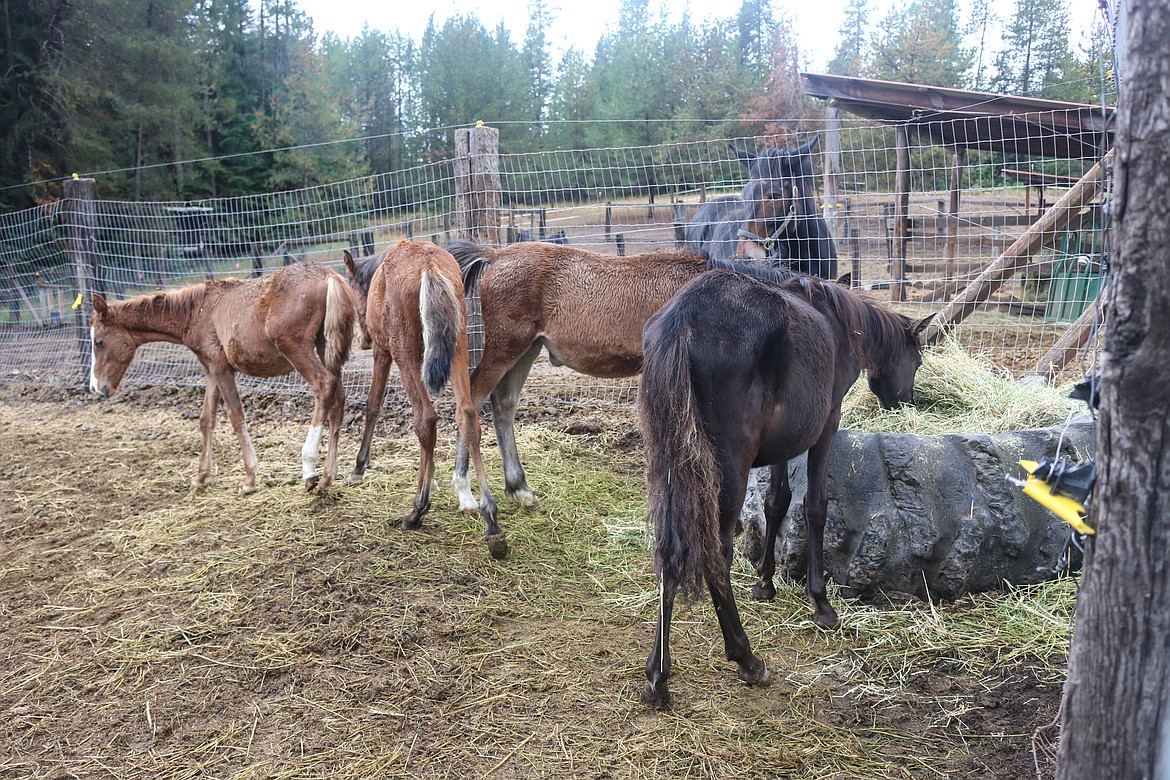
[[918, 242]]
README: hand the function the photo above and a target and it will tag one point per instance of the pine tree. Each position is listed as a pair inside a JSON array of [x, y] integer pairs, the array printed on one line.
[[920, 44], [1037, 58], [849, 58]]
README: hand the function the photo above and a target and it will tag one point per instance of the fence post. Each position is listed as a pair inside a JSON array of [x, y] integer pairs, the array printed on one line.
[[832, 167], [901, 215], [477, 185], [78, 214]]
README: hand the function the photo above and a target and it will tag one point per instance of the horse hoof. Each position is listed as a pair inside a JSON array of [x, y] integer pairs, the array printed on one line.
[[655, 698], [247, 490], [525, 498], [410, 523], [497, 546], [762, 592], [826, 618], [354, 479], [468, 508], [755, 673], [313, 482]]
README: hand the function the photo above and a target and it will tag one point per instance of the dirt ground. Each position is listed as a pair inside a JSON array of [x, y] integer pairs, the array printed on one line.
[[154, 632]]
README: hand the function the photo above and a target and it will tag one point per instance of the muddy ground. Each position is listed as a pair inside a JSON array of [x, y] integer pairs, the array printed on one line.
[[150, 631]]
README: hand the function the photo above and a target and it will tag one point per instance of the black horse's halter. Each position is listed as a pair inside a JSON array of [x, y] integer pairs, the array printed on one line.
[[769, 243]]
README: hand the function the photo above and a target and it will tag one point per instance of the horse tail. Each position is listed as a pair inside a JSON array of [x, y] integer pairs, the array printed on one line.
[[473, 260], [681, 474], [340, 316], [441, 311]]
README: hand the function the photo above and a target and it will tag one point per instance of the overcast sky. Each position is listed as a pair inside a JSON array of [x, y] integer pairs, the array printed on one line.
[[581, 22]]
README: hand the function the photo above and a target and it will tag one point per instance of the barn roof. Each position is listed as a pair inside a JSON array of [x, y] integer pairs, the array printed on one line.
[[974, 120]]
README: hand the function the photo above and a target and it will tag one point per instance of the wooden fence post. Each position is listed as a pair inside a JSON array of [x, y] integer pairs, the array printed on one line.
[[901, 215], [832, 168], [477, 185], [78, 215]]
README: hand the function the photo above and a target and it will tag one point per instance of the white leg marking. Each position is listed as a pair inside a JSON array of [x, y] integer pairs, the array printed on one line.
[[311, 452], [462, 485], [93, 383]]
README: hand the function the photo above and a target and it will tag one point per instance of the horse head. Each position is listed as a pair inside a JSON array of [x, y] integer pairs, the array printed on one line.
[[359, 273], [112, 348], [892, 378], [778, 197]]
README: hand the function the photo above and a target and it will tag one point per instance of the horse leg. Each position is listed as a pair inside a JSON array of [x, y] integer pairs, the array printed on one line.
[[656, 693], [735, 641], [776, 505], [326, 387], [505, 400], [467, 422], [374, 400], [235, 409], [493, 366], [207, 428], [335, 411], [425, 424], [816, 504]]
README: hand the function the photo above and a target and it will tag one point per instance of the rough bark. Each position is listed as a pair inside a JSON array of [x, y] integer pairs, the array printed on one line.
[[1119, 666]]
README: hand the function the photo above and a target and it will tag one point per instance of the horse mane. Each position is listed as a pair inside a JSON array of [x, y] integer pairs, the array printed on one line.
[[760, 270], [871, 329], [143, 310]]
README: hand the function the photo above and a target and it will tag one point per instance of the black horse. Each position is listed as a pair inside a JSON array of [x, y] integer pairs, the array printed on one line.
[[776, 215], [747, 367]]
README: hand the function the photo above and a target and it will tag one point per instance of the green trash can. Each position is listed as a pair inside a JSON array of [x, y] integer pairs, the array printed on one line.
[[1076, 281]]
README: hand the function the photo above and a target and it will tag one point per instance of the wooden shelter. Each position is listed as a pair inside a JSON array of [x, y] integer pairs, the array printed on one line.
[[1017, 127]]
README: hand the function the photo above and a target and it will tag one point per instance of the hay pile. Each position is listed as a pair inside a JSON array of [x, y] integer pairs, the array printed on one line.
[[957, 391]]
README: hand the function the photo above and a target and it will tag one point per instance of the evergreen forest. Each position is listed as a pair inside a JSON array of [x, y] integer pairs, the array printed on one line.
[[192, 99]]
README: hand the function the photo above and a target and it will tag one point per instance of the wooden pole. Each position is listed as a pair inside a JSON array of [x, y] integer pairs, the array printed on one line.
[[1068, 346], [78, 214], [477, 185], [901, 216], [1021, 250], [832, 168], [958, 163]]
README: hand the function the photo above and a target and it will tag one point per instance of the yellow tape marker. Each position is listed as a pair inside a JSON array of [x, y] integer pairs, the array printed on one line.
[[1063, 507], [77, 303]]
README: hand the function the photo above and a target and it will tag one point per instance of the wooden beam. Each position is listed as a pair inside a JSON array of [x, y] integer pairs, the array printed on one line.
[[1021, 250], [1068, 346]]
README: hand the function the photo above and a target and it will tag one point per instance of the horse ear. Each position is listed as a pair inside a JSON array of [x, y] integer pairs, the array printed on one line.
[[808, 145], [745, 158], [918, 326], [100, 305], [350, 268], [845, 279]]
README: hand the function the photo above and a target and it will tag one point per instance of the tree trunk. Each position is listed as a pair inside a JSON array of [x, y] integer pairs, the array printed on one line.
[[1119, 666]]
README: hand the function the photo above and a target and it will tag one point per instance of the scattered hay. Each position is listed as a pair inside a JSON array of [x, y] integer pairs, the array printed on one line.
[[152, 632], [957, 391]]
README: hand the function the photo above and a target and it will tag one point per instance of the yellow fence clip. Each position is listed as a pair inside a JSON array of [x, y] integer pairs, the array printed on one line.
[[1063, 507]]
